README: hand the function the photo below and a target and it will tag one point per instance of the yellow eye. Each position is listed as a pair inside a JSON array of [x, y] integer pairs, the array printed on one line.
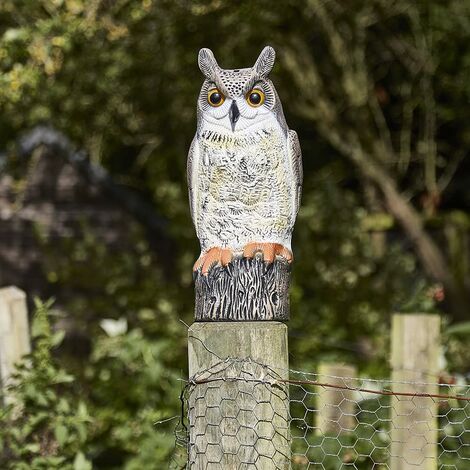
[[255, 98], [215, 97]]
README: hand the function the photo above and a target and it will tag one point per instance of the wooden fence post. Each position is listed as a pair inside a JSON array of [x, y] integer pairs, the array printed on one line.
[[336, 408], [14, 333], [240, 416], [415, 355]]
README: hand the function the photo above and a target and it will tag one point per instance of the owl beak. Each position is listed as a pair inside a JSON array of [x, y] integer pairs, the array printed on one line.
[[233, 114]]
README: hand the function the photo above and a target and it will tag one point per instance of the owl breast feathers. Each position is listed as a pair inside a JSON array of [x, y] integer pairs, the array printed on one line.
[[244, 165]]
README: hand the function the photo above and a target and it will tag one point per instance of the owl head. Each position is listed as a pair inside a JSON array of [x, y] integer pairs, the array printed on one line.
[[237, 100]]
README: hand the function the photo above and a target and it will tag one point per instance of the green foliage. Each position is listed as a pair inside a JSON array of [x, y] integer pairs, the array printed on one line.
[[120, 79], [43, 426], [455, 340], [138, 346], [126, 422], [345, 288], [424, 299], [459, 329]]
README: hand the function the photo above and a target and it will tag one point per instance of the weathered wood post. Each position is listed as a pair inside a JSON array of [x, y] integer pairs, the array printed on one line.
[[244, 177], [415, 354], [14, 333], [243, 418], [336, 408]]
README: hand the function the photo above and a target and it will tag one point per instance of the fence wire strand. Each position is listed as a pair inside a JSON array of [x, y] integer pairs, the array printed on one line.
[[244, 415]]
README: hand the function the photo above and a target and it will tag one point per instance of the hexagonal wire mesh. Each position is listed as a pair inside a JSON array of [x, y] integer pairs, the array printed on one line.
[[243, 415]]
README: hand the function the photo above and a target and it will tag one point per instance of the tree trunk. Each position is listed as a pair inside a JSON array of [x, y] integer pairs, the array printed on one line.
[[430, 255]]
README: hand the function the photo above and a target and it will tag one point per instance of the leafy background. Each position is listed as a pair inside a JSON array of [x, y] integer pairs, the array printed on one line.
[[378, 92]]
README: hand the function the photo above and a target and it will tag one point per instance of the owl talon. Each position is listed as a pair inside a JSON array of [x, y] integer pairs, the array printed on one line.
[[213, 256], [268, 250]]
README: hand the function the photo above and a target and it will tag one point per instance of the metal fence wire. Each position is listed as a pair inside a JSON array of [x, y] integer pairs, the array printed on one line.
[[240, 414]]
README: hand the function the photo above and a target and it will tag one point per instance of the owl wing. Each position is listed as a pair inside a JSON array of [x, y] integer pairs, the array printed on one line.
[[295, 155], [193, 163]]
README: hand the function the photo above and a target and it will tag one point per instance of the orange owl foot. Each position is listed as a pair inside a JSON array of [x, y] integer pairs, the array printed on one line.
[[213, 256], [268, 250]]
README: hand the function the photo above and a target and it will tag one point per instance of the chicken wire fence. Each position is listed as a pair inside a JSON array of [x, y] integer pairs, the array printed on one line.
[[240, 414]]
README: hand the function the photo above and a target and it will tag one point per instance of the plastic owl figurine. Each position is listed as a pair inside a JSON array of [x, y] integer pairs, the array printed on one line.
[[244, 166]]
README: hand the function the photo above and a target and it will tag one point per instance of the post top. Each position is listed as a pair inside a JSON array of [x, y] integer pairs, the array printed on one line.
[[12, 292]]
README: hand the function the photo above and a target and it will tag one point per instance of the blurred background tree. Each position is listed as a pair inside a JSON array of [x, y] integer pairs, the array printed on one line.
[[378, 92]]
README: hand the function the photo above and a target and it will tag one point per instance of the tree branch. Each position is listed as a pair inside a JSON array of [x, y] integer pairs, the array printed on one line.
[[431, 257]]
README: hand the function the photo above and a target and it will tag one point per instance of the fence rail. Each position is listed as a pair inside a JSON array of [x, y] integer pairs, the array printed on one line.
[[333, 422]]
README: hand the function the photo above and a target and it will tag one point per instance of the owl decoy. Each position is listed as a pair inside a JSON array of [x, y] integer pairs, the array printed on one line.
[[244, 166]]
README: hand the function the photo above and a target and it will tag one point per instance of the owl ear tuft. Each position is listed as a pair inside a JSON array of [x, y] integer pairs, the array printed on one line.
[[265, 62], [207, 63]]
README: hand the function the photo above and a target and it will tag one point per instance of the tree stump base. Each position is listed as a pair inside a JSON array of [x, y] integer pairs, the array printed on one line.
[[244, 290]]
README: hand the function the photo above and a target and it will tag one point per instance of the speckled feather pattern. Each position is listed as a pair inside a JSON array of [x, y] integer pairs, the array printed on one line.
[[244, 184], [242, 196]]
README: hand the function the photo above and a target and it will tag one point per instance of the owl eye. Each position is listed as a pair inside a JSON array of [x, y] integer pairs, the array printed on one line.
[[255, 98], [215, 97]]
